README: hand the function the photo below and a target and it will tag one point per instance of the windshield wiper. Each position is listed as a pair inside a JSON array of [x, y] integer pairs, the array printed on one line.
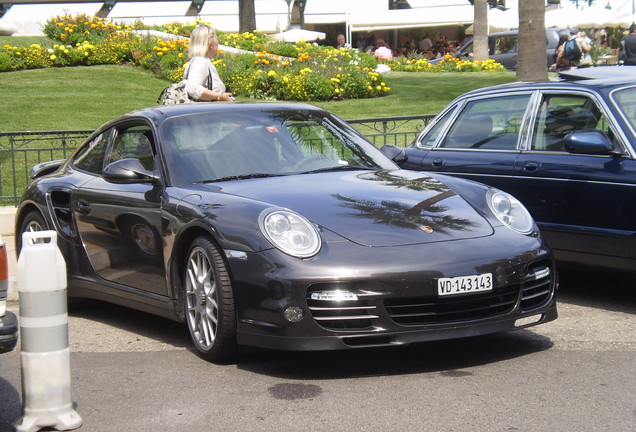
[[238, 177]]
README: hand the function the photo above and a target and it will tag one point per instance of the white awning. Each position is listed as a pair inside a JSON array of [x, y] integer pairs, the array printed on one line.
[[369, 20]]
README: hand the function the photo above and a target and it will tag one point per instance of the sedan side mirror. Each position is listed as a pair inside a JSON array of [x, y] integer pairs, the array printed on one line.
[[395, 153], [129, 170], [594, 143]]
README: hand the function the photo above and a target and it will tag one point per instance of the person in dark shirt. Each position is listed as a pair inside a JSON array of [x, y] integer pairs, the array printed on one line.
[[630, 46]]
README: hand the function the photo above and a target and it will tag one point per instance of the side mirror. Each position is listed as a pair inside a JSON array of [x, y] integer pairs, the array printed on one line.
[[128, 170], [593, 143], [395, 153]]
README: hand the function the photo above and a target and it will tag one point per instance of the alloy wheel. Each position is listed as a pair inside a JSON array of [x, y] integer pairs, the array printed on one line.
[[201, 298]]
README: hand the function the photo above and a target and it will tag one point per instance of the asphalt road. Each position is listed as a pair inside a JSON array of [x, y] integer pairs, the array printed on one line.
[[136, 372]]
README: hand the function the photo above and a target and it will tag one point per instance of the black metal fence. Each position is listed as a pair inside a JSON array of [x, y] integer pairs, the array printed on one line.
[[19, 151]]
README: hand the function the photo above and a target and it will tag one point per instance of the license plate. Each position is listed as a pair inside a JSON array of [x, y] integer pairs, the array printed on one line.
[[464, 284]]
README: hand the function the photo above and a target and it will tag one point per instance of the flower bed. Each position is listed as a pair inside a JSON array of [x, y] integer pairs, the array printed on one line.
[[269, 70]]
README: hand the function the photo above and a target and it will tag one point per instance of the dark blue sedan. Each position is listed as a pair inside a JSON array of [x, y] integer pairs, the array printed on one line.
[[565, 148]]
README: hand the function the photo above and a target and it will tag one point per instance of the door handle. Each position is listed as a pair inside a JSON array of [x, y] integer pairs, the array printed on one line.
[[438, 163], [83, 207], [531, 166]]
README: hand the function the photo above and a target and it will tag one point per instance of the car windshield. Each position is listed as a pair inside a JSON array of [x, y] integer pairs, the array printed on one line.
[[626, 101], [230, 145]]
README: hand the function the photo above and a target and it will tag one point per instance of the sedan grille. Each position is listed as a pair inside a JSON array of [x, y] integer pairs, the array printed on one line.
[[533, 293]]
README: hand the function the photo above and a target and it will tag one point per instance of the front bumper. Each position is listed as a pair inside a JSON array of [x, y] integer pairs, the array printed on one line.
[[8, 332], [406, 337], [396, 295]]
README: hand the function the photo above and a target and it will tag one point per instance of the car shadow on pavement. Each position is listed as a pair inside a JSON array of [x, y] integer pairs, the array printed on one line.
[[449, 357], [10, 405], [603, 290], [142, 324]]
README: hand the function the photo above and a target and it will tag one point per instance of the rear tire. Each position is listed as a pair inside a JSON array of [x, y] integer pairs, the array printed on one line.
[[209, 301]]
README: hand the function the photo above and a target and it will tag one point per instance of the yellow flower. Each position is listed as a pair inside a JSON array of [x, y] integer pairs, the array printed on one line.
[[53, 57]]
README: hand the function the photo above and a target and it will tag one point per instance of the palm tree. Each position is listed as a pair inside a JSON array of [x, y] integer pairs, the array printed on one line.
[[480, 30], [531, 63], [247, 16]]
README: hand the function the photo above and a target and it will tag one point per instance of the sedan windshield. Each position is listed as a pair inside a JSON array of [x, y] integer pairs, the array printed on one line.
[[626, 101], [232, 145]]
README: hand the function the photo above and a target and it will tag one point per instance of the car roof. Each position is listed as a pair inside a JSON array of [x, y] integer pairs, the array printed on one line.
[[516, 32], [160, 113], [608, 72], [589, 78]]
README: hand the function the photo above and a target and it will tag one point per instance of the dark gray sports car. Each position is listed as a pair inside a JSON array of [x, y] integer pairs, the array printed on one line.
[[279, 226]]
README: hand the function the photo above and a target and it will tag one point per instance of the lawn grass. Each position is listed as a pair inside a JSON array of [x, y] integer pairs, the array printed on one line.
[[26, 41], [74, 97], [416, 93], [86, 97]]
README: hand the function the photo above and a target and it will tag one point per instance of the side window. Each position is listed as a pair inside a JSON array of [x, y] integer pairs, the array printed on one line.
[[505, 44], [91, 157], [434, 132], [560, 115], [133, 142], [491, 124]]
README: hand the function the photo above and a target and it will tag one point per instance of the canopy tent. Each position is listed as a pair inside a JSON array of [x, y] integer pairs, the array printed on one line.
[[588, 17], [373, 19], [297, 34], [499, 20], [625, 21]]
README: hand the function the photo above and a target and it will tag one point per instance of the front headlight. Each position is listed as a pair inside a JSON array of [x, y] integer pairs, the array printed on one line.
[[290, 232], [510, 211]]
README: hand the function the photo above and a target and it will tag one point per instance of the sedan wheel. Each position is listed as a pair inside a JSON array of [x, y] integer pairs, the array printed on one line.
[[209, 301]]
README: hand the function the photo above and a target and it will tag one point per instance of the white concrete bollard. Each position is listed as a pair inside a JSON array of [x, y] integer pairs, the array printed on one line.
[[45, 356]]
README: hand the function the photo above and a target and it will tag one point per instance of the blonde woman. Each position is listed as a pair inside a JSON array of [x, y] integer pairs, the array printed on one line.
[[202, 79]]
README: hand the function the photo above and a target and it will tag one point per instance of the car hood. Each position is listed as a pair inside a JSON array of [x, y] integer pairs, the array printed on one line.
[[371, 208]]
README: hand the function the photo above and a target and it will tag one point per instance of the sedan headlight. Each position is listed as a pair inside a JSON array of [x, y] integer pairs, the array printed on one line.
[[290, 232], [510, 211]]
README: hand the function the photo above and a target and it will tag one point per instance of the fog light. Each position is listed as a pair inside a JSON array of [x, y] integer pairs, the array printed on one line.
[[522, 322], [335, 295], [293, 314]]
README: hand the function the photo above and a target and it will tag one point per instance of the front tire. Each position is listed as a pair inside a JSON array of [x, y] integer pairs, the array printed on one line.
[[209, 302], [32, 222]]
